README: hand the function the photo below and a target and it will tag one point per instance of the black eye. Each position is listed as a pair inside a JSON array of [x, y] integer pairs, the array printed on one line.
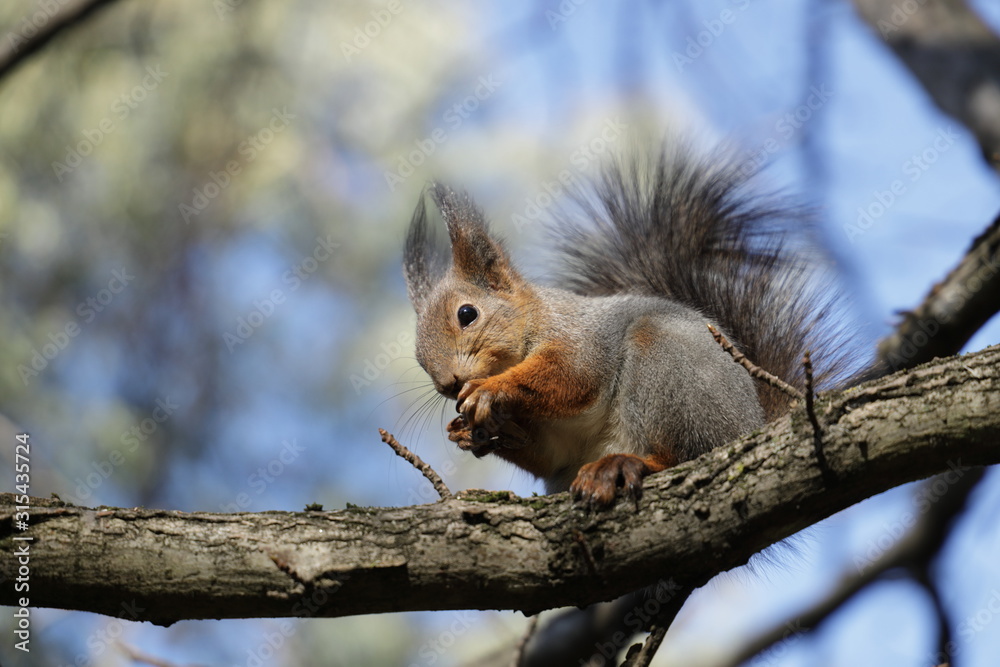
[[467, 315]]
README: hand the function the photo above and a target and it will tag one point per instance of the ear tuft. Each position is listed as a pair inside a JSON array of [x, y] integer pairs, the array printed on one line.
[[477, 256], [424, 262]]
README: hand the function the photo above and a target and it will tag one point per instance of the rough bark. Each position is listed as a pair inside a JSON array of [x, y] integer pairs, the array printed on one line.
[[495, 551]]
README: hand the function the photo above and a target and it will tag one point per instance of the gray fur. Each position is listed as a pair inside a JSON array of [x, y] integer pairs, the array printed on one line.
[[683, 389], [696, 229], [653, 252]]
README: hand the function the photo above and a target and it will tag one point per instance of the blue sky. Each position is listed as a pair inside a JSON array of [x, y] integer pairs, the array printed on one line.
[[846, 129]]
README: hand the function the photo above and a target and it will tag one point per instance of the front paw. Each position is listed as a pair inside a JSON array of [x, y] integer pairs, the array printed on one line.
[[511, 436], [460, 433], [482, 408]]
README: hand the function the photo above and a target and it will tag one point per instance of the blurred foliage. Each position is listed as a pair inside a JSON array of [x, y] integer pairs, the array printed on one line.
[[200, 296], [174, 174], [116, 147]]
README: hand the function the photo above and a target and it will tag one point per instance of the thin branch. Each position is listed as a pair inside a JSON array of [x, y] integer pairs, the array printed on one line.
[[754, 370], [596, 633], [425, 469], [588, 556], [954, 54], [138, 657], [495, 551], [953, 310], [963, 301], [522, 644], [810, 393], [641, 655], [914, 550], [645, 654], [829, 476], [19, 47], [945, 646], [589, 635]]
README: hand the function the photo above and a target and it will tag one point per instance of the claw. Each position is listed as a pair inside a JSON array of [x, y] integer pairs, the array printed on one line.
[[597, 484]]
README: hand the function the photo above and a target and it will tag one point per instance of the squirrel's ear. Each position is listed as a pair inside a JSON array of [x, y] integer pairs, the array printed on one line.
[[477, 257], [423, 260]]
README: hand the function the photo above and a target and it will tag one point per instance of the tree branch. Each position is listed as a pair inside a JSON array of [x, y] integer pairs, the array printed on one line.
[[493, 550], [954, 309], [955, 56], [915, 550], [951, 313], [23, 42]]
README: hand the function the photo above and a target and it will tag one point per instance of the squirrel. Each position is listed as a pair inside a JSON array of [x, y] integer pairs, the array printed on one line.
[[611, 374]]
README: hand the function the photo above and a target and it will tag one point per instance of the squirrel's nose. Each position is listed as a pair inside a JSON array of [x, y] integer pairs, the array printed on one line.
[[451, 390]]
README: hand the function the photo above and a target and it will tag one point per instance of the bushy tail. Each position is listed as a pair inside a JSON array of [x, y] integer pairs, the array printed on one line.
[[692, 229]]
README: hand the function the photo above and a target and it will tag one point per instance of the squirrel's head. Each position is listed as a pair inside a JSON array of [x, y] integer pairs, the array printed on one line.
[[471, 303]]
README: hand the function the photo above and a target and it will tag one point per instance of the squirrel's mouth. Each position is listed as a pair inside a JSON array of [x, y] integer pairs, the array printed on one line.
[[451, 386], [450, 390]]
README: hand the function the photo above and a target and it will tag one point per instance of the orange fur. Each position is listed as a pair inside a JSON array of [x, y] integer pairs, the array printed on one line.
[[644, 334], [545, 385], [599, 481]]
